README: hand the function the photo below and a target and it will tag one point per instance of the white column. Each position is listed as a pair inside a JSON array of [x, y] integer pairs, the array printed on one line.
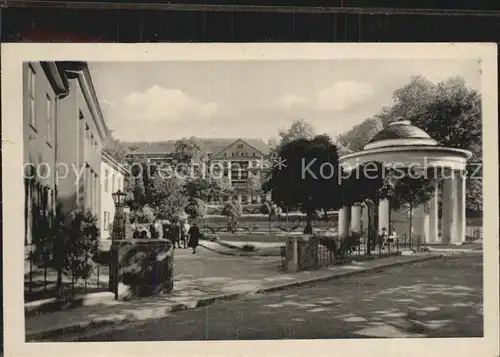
[[461, 220], [434, 217], [238, 198], [344, 221], [383, 215], [258, 198], [450, 209], [356, 218], [293, 257], [421, 222], [364, 216]]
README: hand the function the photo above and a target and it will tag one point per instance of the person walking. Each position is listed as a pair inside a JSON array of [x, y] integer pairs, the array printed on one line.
[[194, 237], [185, 234], [166, 228], [156, 229], [176, 234]]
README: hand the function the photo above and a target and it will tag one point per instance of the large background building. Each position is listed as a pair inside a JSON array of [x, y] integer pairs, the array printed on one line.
[[238, 157]]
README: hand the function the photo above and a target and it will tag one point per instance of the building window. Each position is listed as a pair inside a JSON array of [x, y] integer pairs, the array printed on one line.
[[48, 134], [106, 179], [253, 154], [240, 146], [87, 135], [31, 96], [106, 222], [225, 154]]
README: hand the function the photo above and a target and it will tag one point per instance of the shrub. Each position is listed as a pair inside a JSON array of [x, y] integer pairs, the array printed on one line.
[[196, 208], [209, 237], [248, 248], [82, 244], [145, 214]]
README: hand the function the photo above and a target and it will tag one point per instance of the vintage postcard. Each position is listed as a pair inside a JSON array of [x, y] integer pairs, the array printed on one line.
[[250, 199]]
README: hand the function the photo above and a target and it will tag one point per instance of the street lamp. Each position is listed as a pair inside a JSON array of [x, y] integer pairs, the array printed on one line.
[[119, 198], [119, 221]]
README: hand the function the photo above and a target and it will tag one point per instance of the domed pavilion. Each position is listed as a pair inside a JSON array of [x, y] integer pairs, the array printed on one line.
[[405, 145]]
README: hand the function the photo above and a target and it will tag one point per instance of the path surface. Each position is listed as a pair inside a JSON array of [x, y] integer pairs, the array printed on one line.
[[441, 298]]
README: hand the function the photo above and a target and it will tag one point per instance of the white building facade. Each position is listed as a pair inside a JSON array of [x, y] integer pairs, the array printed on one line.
[[113, 177]]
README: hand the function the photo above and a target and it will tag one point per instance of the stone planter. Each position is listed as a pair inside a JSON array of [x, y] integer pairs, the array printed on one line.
[[141, 267], [301, 253]]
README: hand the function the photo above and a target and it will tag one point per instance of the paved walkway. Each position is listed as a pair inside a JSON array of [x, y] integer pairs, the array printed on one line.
[[201, 279], [439, 298]]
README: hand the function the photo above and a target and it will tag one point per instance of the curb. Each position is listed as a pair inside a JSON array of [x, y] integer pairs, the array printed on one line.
[[239, 253], [346, 274], [34, 308], [131, 320]]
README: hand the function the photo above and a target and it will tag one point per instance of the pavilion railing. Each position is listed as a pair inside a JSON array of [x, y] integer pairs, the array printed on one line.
[[364, 245]]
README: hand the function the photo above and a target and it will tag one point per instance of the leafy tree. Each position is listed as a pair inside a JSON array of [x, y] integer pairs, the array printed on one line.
[[82, 244], [167, 196], [253, 183], [203, 188], [136, 181], [115, 148], [196, 208], [368, 184], [271, 210], [300, 129], [272, 143], [308, 177], [356, 138], [413, 98], [232, 209], [187, 151], [145, 214]]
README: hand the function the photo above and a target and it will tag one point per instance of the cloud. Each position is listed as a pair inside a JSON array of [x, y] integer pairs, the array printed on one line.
[[291, 100], [153, 113], [340, 96], [158, 104], [343, 95]]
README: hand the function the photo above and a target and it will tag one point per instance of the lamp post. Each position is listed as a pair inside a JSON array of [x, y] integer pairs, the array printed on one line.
[[119, 219]]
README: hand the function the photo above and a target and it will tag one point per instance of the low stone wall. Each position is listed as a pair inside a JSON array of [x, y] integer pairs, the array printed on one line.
[[140, 267]]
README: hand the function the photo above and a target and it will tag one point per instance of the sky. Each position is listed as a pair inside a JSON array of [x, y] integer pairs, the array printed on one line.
[[152, 101]]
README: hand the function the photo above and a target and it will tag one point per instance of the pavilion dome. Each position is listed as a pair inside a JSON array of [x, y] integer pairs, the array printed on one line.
[[400, 133]]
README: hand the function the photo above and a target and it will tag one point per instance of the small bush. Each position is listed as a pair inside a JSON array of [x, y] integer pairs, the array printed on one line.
[[196, 208], [248, 248], [82, 244], [209, 237]]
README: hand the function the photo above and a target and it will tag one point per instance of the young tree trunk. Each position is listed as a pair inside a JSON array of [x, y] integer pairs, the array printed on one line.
[[270, 217], [369, 233], [411, 223], [308, 229], [286, 224]]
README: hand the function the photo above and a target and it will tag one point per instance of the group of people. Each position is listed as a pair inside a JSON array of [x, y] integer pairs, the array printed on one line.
[[387, 240], [177, 232]]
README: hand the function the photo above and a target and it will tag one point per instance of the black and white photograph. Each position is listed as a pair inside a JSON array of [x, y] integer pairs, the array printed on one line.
[[246, 193]]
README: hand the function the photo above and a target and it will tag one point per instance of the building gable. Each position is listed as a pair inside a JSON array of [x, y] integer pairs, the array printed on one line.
[[239, 149]]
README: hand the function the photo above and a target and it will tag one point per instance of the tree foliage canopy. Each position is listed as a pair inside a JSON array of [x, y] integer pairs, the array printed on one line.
[[309, 177], [300, 129]]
